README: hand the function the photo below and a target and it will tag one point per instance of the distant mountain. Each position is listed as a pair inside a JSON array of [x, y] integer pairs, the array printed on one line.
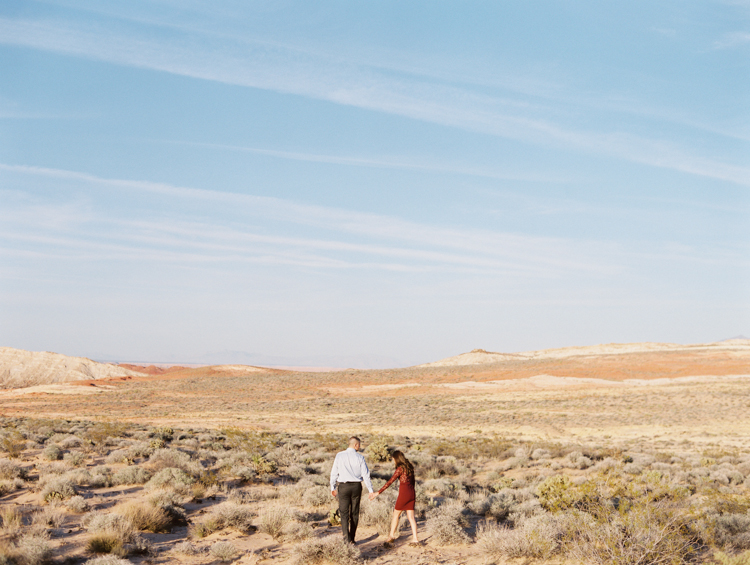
[[482, 357], [357, 361]]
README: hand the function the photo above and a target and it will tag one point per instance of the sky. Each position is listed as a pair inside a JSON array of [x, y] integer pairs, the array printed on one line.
[[371, 184]]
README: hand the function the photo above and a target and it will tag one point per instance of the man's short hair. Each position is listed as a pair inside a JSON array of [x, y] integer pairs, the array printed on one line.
[[353, 440]]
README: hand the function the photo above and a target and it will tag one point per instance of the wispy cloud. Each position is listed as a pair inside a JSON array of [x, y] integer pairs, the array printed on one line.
[[732, 40], [279, 68], [341, 239], [390, 162]]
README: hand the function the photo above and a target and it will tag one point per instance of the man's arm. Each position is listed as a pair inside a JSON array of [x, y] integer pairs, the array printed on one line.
[[334, 475], [366, 475]]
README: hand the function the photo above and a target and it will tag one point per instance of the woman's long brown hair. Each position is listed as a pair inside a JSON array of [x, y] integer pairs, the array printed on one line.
[[404, 463]]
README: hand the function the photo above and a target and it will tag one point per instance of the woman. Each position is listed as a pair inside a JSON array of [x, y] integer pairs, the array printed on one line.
[[406, 495]]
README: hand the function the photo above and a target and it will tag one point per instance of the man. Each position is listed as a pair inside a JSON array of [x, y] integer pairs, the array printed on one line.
[[348, 472]]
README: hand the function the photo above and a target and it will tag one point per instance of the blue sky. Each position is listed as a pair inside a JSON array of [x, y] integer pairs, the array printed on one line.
[[371, 184]]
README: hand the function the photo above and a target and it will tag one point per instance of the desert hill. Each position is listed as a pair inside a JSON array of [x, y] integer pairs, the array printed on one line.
[[19, 368], [22, 369], [482, 357]]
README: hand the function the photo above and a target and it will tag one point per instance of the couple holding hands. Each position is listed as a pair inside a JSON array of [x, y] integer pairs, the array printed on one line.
[[350, 470]]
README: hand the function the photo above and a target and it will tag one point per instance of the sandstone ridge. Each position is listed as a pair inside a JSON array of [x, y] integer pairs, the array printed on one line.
[[481, 357], [19, 368]]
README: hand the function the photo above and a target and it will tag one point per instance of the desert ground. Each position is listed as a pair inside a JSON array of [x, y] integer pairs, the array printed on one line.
[[621, 453]]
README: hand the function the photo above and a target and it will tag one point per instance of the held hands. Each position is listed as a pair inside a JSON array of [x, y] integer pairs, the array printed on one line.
[[373, 495]]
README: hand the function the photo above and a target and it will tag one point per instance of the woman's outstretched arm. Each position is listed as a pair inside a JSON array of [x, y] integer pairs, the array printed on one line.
[[395, 476]]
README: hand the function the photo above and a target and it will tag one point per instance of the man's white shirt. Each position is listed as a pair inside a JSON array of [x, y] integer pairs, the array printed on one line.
[[350, 467]]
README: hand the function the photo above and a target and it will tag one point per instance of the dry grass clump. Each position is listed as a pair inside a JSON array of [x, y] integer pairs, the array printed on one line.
[[132, 475], [106, 542], [13, 443], [224, 551], [52, 452], [330, 549], [10, 519], [58, 488], [51, 516], [274, 519], [538, 537], [166, 458], [379, 513], [316, 496], [170, 478], [722, 558], [225, 515], [186, 548], [30, 549], [446, 523], [10, 470], [109, 532], [145, 517], [77, 504]]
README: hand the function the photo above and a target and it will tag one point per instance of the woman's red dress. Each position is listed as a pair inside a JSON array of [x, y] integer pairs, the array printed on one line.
[[406, 494]]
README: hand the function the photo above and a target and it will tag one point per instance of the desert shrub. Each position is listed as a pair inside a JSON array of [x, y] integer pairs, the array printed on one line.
[[379, 450], [273, 520], [316, 496], [284, 455], [186, 548], [538, 538], [497, 505], [10, 486], [522, 511], [540, 453], [69, 442], [262, 465], [170, 478], [52, 452], [723, 559], [577, 460], [170, 458], [112, 524], [225, 515], [558, 493], [441, 487], [248, 440], [633, 533], [105, 542], [58, 488], [132, 475], [447, 523], [144, 516], [732, 531], [30, 549], [164, 433], [11, 470], [100, 435], [244, 472], [51, 516], [379, 513], [331, 549], [77, 504], [297, 531], [13, 443], [10, 518], [75, 458], [224, 551], [296, 472]]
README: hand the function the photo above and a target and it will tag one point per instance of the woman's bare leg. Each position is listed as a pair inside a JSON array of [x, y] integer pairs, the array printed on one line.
[[394, 524], [413, 522]]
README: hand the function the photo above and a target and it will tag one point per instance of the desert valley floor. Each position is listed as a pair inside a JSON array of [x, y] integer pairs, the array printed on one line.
[[487, 430]]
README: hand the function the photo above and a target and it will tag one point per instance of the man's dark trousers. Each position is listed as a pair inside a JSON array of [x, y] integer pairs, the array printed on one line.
[[349, 497]]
